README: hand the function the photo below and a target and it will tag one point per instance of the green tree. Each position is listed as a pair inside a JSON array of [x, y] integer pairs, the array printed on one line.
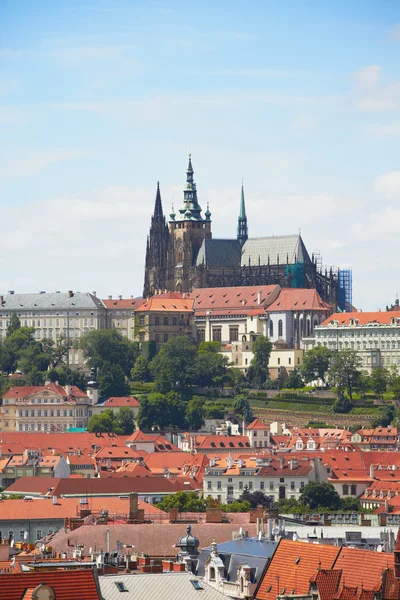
[[363, 383], [350, 505], [102, 423], [256, 498], [174, 365], [112, 380], [66, 376], [294, 380], [385, 418], [57, 351], [344, 372], [124, 420], [141, 371], [258, 370], [14, 324], [379, 380], [320, 495], [108, 346], [316, 364], [211, 368], [184, 501], [242, 407], [194, 414]]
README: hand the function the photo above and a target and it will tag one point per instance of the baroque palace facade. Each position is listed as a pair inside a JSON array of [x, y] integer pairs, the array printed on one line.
[[183, 255]]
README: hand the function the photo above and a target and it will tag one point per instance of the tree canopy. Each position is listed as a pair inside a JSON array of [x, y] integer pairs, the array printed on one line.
[[112, 380], [344, 372], [258, 370], [316, 363], [108, 346], [316, 495], [120, 422]]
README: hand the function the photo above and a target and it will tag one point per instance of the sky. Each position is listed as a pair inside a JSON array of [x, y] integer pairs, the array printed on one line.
[[100, 99]]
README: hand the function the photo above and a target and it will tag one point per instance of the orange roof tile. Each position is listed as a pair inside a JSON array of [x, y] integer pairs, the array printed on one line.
[[65, 584], [157, 303], [298, 299], [364, 318], [257, 424], [363, 567], [291, 568], [119, 401], [129, 303], [234, 297]]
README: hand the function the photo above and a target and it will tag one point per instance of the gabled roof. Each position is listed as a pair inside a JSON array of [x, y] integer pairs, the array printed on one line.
[[219, 253], [50, 301], [24, 391], [298, 299], [291, 568], [363, 567], [257, 424]]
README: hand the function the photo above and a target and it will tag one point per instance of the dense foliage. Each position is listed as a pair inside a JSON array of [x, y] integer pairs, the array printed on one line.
[[120, 422]]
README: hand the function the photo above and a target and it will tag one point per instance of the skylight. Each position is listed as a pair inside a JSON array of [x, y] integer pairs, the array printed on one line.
[[121, 586], [196, 584]]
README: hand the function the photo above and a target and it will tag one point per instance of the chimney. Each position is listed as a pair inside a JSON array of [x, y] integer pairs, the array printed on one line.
[[94, 294], [70, 293], [133, 506], [11, 292], [110, 297], [119, 297], [54, 500], [372, 472], [108, 540], [67, 389], [259, 297]]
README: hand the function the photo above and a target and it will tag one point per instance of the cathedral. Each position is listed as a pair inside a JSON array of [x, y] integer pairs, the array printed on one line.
[[183, 255]]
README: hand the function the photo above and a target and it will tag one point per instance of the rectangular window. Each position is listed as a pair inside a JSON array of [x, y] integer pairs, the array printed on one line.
[[250, 485], [219, 485], [174, 320], [271, 485], [157, 321], [165, 337], [234, 334], [345, 490], [38, 534], [353, 490], [262, 485], [157, 337], [209, 485], [165, 320], [240, 485], [292, 485], [216, 334]]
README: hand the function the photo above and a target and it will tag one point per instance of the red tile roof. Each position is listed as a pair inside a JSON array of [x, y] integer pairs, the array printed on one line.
[[130, 303], [64, 583], [23, 391], [363, 567], [364, 318], [234, 297], [292, 566], [157, 303], [222, 441], [257, 424], [298, 299], [121, 401], [66, 442]]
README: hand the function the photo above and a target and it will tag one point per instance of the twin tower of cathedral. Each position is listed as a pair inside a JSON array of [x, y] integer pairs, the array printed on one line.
[[183, 255]]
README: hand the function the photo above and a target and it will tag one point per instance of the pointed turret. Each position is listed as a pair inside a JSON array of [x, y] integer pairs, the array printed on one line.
[[190, 209], [242, 233], [157, 245]]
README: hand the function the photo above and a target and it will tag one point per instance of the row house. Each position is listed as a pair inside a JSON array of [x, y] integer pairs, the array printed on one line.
[[375, 336], [380, 438], [44, 408], [279, 478]]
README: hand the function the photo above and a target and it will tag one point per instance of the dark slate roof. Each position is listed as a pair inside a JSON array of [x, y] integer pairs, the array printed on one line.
[[219, 253], [289, 247], [249, 546]]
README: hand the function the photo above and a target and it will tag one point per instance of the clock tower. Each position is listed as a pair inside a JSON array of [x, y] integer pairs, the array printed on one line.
[[188, 229]]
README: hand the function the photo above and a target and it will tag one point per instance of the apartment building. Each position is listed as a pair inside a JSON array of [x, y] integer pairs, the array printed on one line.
[[163, 317], [120, 315], [375, 336], [225, 479], [44, 408], [55, 315]]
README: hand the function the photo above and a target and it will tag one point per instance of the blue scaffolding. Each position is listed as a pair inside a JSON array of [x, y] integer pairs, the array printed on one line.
[[345, 290]]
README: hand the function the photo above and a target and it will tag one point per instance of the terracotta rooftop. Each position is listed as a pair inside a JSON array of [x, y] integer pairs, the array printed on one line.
[[115, 401], [292, 566], [257, 424], [158, 303], [234, 297], [64, 583], [298, 299], [364, 318], [129, 303]]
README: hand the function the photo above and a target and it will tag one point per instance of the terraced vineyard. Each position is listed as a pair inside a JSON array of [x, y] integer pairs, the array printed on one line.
[[298, 418]]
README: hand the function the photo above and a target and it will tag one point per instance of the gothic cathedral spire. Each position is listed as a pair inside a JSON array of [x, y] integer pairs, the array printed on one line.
[[242, 233], [158, 240]]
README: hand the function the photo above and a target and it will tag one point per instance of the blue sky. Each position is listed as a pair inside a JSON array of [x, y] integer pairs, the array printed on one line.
[[99, 99]]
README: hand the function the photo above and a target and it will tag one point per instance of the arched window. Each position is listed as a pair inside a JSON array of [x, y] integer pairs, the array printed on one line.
[[211, 574], [308, 328], [271, 329], [280, 328], [244, 339]]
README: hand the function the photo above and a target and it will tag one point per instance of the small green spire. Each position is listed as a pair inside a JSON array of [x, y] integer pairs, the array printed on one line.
[[242, 233]]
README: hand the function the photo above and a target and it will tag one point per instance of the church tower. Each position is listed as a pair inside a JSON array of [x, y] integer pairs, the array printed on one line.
[[188, 230], [158, 243], [242, 233]]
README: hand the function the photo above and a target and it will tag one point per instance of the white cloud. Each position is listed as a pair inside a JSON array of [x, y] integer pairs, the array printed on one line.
[[381, 226], [388, 185], [368, 77], [34, 161]]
